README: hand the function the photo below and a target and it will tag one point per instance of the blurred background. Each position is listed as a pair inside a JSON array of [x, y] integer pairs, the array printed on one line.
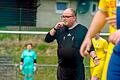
[[23, 21]]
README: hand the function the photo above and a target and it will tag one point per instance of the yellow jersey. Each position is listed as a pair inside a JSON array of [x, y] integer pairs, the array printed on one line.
[[108, 6], [101, 47]]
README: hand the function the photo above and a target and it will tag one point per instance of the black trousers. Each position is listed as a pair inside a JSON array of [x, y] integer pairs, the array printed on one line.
[[70, 73]]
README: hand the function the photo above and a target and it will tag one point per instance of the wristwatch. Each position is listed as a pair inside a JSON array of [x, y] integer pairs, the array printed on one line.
[[94, 57], [55, 29]]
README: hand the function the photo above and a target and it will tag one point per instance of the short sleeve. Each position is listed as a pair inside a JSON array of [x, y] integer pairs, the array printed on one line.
[[22, 54], [35, 55], [102, 6]]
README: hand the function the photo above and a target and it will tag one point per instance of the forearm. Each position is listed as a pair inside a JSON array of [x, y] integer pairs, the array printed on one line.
[[97, 24], [52, 31], [49, 38]]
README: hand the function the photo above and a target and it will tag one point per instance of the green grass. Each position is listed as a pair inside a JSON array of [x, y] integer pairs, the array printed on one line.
[[3, 28], [47, 60], [45, 29]]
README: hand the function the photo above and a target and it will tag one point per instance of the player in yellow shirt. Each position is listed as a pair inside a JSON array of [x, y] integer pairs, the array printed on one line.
[[109, 6], [100, 46], [106, 13]]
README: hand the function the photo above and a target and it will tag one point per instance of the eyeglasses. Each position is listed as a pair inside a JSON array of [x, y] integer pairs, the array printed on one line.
[[66, 16]]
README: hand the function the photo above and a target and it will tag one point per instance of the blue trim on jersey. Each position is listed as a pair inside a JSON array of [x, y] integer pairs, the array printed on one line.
[[118, 17], [114, 64]]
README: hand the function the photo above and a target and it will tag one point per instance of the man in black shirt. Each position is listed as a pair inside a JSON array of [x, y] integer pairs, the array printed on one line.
[[69, 35]]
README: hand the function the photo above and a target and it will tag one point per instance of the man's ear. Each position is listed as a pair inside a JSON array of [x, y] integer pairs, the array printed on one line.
[[75, 18]]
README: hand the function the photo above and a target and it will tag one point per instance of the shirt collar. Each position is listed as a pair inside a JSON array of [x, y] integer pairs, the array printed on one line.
[[73, 25]]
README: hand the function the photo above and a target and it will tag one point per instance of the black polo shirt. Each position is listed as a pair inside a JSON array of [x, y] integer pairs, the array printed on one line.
[[69, 42]]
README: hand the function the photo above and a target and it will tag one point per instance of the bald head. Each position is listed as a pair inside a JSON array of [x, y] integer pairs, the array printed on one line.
[[70, 11]]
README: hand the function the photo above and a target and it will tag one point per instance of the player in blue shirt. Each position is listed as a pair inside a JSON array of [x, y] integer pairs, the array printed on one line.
[[114, 64], [28, 62]]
